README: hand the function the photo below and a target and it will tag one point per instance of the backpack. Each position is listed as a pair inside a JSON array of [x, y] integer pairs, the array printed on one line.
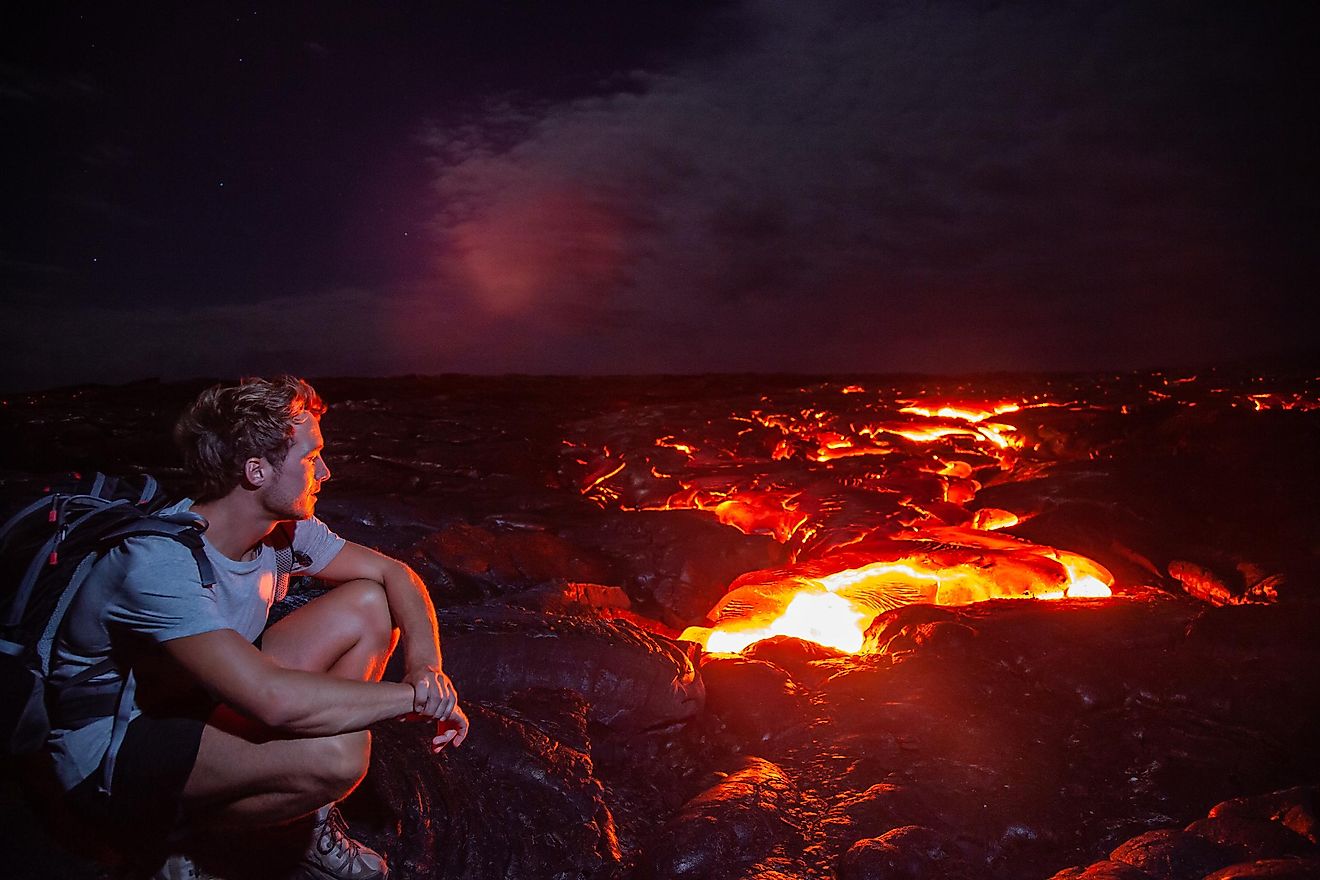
[[47, 550]]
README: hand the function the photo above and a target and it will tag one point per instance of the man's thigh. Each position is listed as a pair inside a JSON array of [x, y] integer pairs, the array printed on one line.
[[314, 637], [238, 756]]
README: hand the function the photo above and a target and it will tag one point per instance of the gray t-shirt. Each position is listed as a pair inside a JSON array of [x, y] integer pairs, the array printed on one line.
[[148, 591]]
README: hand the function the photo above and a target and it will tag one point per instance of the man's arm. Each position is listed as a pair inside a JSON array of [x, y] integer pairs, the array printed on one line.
[[304, 703], [410, 606]]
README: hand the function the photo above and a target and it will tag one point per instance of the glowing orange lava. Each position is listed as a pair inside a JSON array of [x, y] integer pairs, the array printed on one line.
[[835, 608], [968, 412], [780, 472]]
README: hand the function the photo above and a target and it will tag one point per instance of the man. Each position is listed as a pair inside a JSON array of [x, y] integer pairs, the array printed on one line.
[[233, 726]]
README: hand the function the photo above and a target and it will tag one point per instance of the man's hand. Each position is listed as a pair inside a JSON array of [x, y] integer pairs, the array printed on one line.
[[434, 696], [453, 729]]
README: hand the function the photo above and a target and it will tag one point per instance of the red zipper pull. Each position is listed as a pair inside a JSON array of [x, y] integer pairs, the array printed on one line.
[[57, 516]]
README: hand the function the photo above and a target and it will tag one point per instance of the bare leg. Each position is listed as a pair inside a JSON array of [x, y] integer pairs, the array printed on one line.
[[248, 774], [347, 632]]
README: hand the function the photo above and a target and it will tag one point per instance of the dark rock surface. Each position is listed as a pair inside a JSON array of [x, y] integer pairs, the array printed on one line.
[[522, 800], [629, 679], [910, 852], [1173, 854], [734, 824], [1005, 740], [757, 699], [1242, 838]]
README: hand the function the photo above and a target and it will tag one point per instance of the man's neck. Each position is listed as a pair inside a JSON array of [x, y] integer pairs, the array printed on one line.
[[237, 524]]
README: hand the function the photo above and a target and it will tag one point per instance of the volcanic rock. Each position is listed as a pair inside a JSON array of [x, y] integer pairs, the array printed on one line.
[[757, 699], [1270, 869], [881, 807], [1242, 838], [1251, 839], [503, 560], [1068, 513], [908, 853], [630, 678], [798, 657], [1294, 808], [916, 626], [468, 814], [562, 597], [1173, 855], [675, 564], [728, 827], [1106, 870]]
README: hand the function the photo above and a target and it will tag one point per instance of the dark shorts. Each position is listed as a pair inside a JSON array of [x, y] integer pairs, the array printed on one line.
[[153, 765], [151, 770]]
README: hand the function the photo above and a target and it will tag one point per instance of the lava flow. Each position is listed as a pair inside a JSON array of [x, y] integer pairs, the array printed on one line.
[[875, 502]]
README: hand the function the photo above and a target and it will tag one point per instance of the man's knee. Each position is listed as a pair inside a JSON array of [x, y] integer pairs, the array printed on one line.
[[366, 602], [339, 763]]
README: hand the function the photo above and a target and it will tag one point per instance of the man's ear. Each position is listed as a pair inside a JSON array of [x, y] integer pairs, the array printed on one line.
[[256, 471]]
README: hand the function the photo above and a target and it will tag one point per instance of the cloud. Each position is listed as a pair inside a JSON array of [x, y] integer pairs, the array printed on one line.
[[848, 189]]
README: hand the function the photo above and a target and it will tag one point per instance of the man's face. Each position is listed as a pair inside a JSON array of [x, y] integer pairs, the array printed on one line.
[[292, 492]]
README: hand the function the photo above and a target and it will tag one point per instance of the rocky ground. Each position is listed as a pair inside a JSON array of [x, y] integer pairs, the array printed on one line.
[[1167, 732]]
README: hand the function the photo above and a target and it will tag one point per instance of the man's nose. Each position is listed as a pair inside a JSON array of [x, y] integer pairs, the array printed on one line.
[[322, 470]]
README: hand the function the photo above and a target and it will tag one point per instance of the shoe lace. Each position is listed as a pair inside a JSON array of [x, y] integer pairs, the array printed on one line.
[[334, 838], [179, 867]]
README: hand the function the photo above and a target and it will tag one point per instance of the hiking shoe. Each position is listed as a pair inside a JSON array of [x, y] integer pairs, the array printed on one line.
[[334, 855]]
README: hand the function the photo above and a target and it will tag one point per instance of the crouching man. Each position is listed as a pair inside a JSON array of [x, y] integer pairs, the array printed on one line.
[[234, 724]]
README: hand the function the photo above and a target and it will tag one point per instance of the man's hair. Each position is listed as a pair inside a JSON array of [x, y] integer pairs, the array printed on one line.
[[228, 424]]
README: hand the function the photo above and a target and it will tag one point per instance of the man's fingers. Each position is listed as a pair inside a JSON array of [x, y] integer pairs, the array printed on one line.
[[452, 730], [461, 731], [445, 697], [434, 696], [448, 696], [434, 700], [443, 740]]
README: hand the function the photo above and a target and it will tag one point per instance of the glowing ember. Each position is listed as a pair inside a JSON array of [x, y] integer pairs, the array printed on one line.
[[1262, 402], [674, 444]]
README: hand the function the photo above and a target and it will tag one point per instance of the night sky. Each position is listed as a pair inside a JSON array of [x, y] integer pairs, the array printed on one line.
[[203, 189]]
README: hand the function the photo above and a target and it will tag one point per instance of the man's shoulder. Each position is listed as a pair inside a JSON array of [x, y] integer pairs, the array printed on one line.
[[314, 545], [142, 571], [139, 554], [153, 536]]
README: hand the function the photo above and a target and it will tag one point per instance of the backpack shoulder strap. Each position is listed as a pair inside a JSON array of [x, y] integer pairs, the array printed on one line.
[[185, 527]]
